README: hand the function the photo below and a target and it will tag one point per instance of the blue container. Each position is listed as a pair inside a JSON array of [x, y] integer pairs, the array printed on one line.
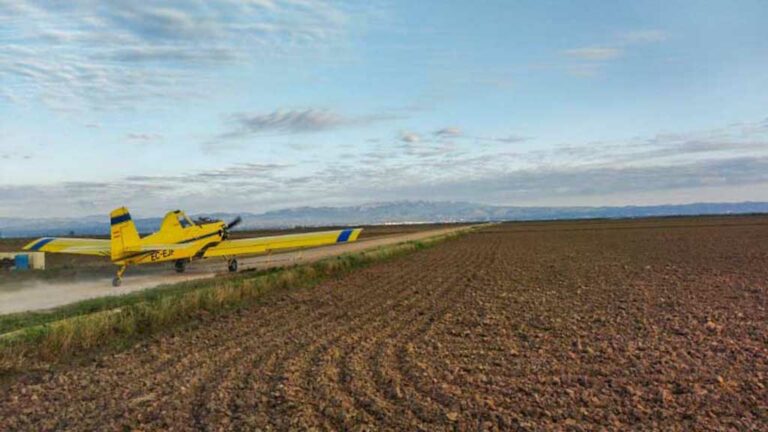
[[21, 262]]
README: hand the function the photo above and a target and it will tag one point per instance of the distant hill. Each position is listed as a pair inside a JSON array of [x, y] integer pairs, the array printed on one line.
[[381, 213]]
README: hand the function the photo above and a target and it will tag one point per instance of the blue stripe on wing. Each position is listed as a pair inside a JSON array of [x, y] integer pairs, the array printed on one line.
[[344, 235], [40, 243]]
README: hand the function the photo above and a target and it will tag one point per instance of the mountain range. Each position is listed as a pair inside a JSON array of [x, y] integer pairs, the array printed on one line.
[[380, 213]]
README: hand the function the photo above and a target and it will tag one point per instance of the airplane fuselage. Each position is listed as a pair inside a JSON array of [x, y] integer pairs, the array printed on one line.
[[184, 242]]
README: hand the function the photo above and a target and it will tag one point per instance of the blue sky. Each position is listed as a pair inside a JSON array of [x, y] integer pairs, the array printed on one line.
[[263, 104]]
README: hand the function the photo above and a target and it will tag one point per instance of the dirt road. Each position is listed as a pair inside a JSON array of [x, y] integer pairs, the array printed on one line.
[[503, 329], [41, 294]]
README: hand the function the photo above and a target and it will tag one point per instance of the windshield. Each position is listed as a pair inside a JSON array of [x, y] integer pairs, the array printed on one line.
[[185, 221]]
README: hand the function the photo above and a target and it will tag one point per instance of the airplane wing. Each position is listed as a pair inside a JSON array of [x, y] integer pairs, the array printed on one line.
[[67, 245], [252, 246]]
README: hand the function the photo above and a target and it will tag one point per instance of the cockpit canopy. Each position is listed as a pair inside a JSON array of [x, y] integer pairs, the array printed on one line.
[[177, 219], [183, 219]]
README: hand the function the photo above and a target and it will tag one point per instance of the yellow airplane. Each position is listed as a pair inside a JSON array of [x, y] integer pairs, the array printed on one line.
[[182, 240]]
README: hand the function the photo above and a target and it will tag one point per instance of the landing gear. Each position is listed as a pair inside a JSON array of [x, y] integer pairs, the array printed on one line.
[[181, 265], [232, 265], [119, 277]]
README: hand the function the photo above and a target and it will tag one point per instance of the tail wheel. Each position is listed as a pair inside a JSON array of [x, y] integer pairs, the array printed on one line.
[[119, 276], [232, 265], [181, 265]]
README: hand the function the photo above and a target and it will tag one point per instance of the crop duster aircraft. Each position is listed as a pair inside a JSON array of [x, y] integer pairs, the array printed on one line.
[[182, 240]]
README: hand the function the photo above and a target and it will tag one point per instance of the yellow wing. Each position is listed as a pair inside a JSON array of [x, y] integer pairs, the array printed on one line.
[[78, 246], [252, 246]]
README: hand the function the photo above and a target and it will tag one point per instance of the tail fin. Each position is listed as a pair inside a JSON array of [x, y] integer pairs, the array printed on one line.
[[125, 238]]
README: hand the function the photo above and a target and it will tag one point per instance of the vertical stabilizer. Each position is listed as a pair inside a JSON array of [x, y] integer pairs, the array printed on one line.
[[124, 236]]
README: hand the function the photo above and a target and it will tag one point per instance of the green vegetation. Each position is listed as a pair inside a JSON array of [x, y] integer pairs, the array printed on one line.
[[34, 337], [16, 321]]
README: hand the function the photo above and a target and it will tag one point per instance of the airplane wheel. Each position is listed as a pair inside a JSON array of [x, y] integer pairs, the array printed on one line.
[[181, 265], [116, 282], [232, 265]]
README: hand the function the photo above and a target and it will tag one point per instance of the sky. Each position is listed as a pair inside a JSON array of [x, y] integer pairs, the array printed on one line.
[[257, 105]]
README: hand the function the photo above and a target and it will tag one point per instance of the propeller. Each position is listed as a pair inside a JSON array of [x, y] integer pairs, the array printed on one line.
[[235, 222]]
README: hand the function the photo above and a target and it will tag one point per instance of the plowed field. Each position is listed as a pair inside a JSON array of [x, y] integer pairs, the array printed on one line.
[[580, 325]]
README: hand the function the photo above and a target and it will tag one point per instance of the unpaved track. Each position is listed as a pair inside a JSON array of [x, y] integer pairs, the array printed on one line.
[[42, 294], [501, 329]]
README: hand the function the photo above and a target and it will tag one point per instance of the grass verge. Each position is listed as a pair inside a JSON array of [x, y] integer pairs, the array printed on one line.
[[17, 321], [32, 340]]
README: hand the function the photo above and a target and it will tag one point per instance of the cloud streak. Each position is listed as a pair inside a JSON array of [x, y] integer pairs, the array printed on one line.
[[730, 158], [145, 137], [260, 188], [593, 58], [594, 53], [292, 121], [448, 132], [455, 133], [409, 137], [75, 54]]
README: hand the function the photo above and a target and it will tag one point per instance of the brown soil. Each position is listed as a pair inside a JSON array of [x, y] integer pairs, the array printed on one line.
[[570, 326]]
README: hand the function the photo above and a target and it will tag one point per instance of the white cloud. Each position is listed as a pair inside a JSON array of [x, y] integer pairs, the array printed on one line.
[[409, 137], [143, 137], [594, 53], [510, 139], [448, 132], [456, 133], [734, 156], [74, 55], [265, 189], [294, 121], [593, 58]]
